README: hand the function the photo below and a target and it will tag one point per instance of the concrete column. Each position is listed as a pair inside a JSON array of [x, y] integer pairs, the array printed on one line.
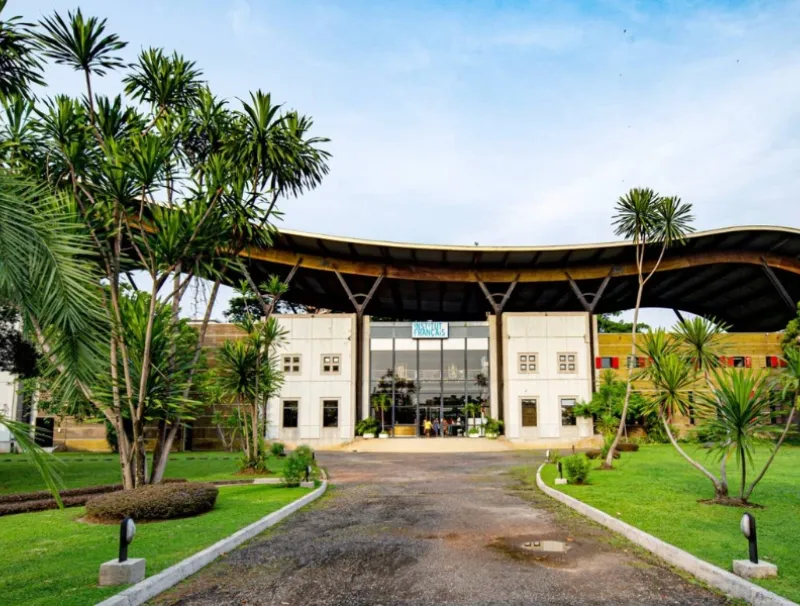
[[494, 383]]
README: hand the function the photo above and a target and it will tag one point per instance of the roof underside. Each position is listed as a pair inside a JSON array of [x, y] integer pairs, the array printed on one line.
[[749, 276]]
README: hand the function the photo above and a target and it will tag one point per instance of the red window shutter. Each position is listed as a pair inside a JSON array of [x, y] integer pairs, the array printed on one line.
[[748, 362], [772, 361], [730, 360], [598, 362], [782, 363], [615, 362]]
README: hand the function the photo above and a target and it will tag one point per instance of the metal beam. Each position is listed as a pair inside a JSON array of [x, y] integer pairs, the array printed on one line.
[[498, 307], [679, 314], [790, 303], [587, 306]]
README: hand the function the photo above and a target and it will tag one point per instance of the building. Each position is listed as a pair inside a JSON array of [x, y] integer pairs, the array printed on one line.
[[508, 330]]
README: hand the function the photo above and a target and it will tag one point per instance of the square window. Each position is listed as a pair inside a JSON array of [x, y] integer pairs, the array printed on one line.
[[568, 411], [291, 364], [330, 413], [290, 412], [567, 363], [529, 412], [331, 364], [527, 363]]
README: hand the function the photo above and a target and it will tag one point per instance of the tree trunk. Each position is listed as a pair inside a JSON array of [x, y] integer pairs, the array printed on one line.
[[158, 449], [719, 489], [609, 462], [160, 463]]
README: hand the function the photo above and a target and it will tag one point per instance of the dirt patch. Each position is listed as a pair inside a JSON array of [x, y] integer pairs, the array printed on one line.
[[731, 502]]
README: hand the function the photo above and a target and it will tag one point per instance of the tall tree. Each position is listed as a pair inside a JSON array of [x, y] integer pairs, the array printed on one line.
[[176, 184], [651, 222]]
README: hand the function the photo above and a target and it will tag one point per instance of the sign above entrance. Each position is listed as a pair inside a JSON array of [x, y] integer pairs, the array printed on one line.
[[430, 330]]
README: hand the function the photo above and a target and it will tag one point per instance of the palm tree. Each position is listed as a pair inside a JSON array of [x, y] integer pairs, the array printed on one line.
[[249, 377], [701, 344], [80, 44], [647, 219], [46, 278], [381, 401], [672, 378], [739, 417], [19, 65]]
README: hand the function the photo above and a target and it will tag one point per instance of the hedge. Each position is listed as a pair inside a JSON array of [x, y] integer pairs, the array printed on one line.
[[154, 502]]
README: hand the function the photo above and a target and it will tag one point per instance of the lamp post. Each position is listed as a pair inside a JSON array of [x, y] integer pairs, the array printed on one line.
[[752, 568], [127, 530], [748, 526], [123, 571]]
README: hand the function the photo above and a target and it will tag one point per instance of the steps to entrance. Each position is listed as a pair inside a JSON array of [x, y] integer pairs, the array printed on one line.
[[428, 445]]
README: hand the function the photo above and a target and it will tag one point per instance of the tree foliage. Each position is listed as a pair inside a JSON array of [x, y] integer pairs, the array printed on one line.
[[612, 323], [160, 178]]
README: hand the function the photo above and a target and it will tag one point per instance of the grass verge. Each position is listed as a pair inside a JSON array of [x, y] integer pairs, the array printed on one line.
[[658, 491], [51, 557], [91, 469]]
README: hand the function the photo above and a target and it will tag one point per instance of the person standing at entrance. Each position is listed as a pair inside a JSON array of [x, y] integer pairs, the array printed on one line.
[[427, 426], [444, 427], [436, 427]]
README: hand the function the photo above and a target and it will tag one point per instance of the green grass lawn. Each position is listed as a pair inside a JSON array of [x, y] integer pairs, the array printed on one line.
[[656, 490], [92, 469], [50, 557]]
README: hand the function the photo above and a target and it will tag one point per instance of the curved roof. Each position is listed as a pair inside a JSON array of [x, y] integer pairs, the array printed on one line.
[[748, 276]]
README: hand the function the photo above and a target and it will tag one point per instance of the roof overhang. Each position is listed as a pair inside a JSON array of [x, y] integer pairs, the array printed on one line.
[[747, 276]]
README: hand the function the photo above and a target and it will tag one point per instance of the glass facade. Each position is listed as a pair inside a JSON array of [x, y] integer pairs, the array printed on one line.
[[414, 380]]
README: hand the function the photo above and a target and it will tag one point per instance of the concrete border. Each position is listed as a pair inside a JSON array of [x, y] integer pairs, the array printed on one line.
[[723, 580], [152, 586]]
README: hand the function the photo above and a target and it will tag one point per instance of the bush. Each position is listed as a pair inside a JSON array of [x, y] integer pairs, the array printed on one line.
[[368, 426], [306, 455], [596, 454], [294, 471], [494, 426], [577, 469], [278, 449], [627, 447], [154, 502]]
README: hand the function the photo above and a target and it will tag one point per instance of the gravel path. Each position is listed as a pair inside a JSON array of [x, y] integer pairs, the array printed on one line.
[[434, 529]]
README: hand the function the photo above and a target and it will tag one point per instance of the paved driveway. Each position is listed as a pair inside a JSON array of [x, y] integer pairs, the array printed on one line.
[[434, 529]]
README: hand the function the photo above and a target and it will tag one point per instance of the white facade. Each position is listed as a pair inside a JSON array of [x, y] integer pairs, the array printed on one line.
[[558, 346], [316, 343], [8, 398], [312, 339]]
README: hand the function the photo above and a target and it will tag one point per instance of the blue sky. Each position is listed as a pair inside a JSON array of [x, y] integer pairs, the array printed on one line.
[[505, 122]]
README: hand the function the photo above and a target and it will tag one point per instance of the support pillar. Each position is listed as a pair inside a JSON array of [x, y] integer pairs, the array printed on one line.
[[589, 307], [360, 302], [497, 307]]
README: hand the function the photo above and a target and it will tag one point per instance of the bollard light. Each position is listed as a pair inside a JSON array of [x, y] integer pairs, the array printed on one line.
[[748, 526], [308, 472], [127, 530], [547, 455], [560, 474]]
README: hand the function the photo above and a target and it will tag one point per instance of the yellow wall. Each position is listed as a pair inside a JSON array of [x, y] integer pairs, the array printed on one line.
[[755, 345]]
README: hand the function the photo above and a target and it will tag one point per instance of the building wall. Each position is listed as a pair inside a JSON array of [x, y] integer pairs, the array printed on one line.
[[311, 337], [547, 336], [755, 347], [8, 396]]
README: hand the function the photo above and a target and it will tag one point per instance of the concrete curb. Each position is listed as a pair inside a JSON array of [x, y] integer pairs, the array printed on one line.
[[151, 587], [723, 580]]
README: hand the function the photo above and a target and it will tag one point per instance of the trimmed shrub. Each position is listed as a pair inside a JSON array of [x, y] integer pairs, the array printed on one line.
[[577, 469], [294, 471], [278, 449], [154, 502], [41, 504], [627, 447]]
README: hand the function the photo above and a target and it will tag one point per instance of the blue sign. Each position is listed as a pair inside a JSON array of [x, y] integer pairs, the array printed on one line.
[[430, 330]]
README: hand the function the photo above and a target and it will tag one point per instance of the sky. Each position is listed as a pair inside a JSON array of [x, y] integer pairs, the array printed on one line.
[[503, 123]]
